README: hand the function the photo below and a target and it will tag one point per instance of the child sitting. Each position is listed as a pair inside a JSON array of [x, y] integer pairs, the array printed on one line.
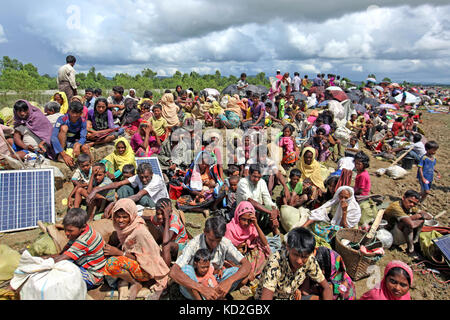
[[102, 199], [362, 181], [81, 177], [159, 124], [128, 171], [51, 110], [295, 187], [204, 271], [419, 148], [169, 230], [290, 152], [206, 194], [145, 142], [70, 133], [231, 185], [85, 248], [352, 147]]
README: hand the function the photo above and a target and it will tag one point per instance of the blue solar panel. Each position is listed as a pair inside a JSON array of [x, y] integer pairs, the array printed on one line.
[[26, 196], [154, 162], [443, 243]]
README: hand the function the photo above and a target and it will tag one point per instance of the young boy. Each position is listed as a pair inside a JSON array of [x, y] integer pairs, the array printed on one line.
[[116, 103], [204, 271], [81, 177], [102, 199], [70, 132], [169, 230], [52, 110], [128, 171], [425, 171], [85, 248], [295, 187], [159, 124]]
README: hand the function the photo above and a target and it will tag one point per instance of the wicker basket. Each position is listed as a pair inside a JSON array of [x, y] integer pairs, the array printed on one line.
[[355, 262]]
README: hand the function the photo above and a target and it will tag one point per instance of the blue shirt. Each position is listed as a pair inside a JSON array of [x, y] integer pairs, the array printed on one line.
[[427, 166], [76, 130], [90, 104]]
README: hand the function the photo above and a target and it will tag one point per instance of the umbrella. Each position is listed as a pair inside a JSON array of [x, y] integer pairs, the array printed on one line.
[[379, 88], [371, 80], [386, 106], [231, 90], [338, 95], [395, 85], [373, 102], [334, 88], [299, 96], [263, 89], [212, 92], [360, 108], [391, 99], [253, 89], [410, 98]]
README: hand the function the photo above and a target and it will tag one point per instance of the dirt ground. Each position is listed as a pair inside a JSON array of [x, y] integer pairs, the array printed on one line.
[[425, 286]]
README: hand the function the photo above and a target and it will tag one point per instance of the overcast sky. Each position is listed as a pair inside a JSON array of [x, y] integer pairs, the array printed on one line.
[[403, 40]]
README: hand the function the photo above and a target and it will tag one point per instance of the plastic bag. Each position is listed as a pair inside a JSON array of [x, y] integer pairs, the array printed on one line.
[[396, 172], [385, 237], [428, 248], [47, 280], [291, 217], [9, 260], [44, 245]]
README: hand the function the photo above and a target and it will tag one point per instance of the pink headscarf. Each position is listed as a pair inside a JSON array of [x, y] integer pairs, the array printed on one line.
[[136, 239], [236, 233], [383, 293], [36, 122]]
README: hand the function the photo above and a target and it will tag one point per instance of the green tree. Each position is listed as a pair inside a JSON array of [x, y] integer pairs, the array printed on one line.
[[8, 63], [18, 80], [386, 79]]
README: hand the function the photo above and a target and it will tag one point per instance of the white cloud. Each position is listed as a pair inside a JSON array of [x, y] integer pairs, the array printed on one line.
[[2, 35], [347, 37]]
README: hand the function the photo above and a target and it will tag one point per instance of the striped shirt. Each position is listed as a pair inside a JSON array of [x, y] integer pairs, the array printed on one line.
[[87, 252]]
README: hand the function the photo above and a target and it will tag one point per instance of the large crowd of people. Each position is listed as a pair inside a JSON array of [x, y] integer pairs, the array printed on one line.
[[275, 138]]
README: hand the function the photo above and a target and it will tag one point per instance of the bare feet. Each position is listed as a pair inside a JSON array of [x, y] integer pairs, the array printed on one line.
[[134, 290]]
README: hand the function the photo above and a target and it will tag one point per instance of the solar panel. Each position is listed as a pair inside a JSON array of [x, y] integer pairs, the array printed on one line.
[[443, 243], [26, 196], [156, 167]]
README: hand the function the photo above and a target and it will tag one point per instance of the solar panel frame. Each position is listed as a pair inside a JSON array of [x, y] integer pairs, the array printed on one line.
[[31, 196], [443, 243], [156, 167]]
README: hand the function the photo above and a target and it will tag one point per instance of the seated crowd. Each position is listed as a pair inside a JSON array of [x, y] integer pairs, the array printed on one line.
[[240, 245]]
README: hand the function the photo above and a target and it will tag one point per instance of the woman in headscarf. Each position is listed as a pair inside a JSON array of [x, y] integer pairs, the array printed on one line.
[[61, 98], [397, 280], [310, 168], [137, 256], [123, 154], [201, 175], [170, 110], [333, 268], [344, 209], [232, 115], [246, 235], [145, 142], [32, 129], [100, 124]]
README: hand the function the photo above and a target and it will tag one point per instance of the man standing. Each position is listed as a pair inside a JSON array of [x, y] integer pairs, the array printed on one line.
[[296, 82], [279, 76], [66, 78], [241, 85]]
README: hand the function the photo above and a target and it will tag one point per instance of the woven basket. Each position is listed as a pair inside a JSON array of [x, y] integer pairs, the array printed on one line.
[[355, 262]]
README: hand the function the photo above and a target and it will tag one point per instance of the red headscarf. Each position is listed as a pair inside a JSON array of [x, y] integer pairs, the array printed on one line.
[[236, 233], [383, 293]]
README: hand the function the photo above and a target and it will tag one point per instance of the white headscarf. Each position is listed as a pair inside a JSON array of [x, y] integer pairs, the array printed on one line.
[[353, 210]]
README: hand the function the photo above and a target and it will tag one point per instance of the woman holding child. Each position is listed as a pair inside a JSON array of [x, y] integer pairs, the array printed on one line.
[[137, 257]]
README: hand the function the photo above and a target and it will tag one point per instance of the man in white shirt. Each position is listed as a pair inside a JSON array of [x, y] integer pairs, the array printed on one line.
[[145, 188], [254, 189], [296, 82], [66, 78]]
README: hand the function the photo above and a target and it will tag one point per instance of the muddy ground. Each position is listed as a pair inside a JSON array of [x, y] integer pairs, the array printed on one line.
[[425, 287]]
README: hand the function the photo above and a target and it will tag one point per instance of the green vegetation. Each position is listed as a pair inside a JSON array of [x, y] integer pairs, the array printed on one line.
[[15, 76]]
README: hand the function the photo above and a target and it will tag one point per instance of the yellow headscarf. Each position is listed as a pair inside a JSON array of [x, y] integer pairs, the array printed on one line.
[[118, 161], [311, 171], [170, 110], [65, 105]]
